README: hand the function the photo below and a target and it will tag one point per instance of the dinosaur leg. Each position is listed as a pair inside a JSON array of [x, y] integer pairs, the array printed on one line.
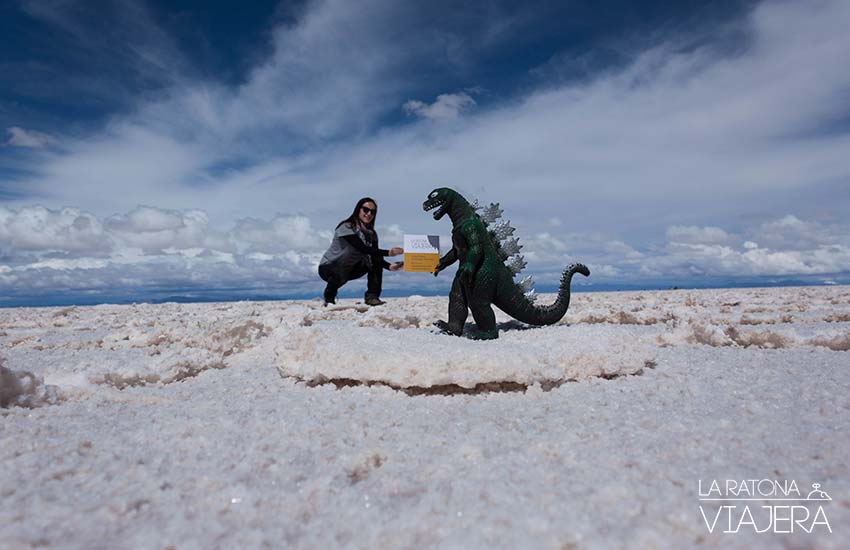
[[480, 296], [485, 319], [458, 311]]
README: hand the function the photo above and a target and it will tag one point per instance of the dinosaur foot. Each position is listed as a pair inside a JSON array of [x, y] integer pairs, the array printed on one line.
[[491, 334], [446, 328]]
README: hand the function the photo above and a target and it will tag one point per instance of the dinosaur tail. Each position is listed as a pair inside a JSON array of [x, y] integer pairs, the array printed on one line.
[[515, 304]]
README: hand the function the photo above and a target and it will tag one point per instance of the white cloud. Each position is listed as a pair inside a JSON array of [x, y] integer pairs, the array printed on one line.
[[694, 234], [19, 137], [393, 235], [156, 248], [281, 233], [40, 229], [607, 271], [65, 264], [624, 250], [541, 246], [445, 107], [794, 233], [699, 252], [811, 249], [151, 248], [675, 133], [604, 167], [146, 219], [147, 227]]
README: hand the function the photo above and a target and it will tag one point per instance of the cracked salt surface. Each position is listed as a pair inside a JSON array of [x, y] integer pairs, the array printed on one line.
[[289, 424]]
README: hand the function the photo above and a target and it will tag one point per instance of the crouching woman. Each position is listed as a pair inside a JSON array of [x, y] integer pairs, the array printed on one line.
[[354, 252]]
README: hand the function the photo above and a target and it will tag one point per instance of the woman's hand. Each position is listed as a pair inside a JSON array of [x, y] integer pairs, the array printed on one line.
[[396, 266], [396, 250]]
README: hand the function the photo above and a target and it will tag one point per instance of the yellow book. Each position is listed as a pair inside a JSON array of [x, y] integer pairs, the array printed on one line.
[[421, 253]]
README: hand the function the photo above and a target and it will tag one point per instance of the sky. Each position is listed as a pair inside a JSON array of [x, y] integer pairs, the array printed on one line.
[[153, 150]]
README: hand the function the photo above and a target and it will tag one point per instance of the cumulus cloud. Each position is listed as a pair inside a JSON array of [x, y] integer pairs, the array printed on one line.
[[19, 137], [39, 229], [692, 253], [790, 232], [149, 248], [542, 246], [445, 107], [714, 260], [147, 227], [783, 247]]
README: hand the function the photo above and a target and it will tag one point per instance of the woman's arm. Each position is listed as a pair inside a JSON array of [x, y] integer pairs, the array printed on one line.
[[360, 246]]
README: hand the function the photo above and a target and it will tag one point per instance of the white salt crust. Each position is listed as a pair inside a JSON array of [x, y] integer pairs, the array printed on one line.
[[289, 424]]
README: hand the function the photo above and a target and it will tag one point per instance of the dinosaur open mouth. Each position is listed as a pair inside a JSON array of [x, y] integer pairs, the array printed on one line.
[[431, 204]]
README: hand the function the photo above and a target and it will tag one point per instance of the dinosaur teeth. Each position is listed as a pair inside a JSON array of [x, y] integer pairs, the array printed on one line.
[[433, 205]]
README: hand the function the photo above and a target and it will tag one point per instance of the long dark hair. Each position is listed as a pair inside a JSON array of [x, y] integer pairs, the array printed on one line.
[[354, 218]]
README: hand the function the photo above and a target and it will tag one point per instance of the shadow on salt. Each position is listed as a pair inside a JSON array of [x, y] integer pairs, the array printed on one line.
[[421, 358]]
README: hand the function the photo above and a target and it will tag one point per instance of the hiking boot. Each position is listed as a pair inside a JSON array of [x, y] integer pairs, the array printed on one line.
[[374, 301]]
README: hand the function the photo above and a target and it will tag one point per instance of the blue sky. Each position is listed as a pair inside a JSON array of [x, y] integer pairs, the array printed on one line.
[[181, 148]]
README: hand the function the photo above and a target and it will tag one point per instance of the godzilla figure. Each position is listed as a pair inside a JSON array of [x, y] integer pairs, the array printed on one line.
[[489, 260]]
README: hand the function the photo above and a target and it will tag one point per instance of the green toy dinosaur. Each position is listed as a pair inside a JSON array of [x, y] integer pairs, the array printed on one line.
[[484, 276]]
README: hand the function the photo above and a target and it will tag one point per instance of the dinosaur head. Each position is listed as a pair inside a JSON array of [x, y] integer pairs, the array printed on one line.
[[442, 199]]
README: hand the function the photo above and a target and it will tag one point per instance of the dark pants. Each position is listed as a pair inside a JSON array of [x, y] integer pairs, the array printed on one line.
[[336, 276]]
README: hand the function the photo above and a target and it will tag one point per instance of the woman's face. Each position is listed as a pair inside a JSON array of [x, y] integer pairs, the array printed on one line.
[[367, 212]]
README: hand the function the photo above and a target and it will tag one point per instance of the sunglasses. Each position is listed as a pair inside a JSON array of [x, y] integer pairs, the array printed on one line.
[[367, 210]]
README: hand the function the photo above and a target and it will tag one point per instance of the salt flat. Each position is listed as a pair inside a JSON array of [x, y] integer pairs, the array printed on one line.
[[270, 424]]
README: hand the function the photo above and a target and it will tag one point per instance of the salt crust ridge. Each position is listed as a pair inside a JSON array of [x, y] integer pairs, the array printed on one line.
[[422, 358], [79, 349]]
